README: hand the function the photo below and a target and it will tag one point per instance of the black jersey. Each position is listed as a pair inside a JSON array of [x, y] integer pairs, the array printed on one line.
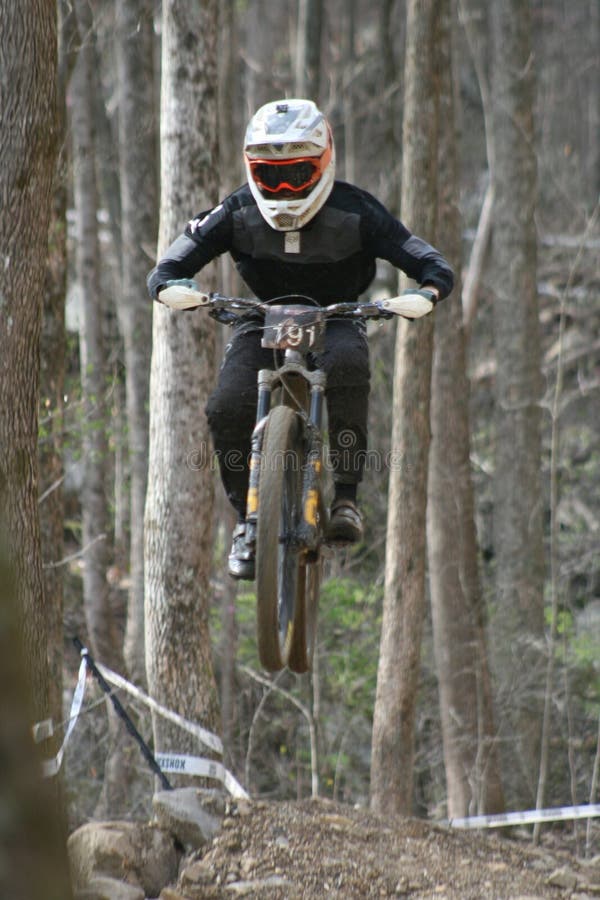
[[332, 258]]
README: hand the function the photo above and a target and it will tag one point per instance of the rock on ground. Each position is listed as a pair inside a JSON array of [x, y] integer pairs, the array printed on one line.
[[192, 816], [141, 856]]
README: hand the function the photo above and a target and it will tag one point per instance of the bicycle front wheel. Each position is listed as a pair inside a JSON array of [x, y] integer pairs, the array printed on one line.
[[304, 633], [279, 589]]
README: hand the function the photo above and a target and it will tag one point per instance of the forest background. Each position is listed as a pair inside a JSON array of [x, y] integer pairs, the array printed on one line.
[[458, 663]]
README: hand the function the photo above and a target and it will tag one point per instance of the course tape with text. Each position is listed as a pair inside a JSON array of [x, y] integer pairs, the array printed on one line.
[[182, 764], [168, 762]]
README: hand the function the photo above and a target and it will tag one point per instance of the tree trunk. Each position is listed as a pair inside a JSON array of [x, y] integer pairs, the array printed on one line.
[[390, 87], [474, 18], [349, 106], [470, 757], [404, 596], [179, 506], [33, 857], [473, 15], [308, 49], [102, 632], [104, 635], [593, 154], [259, 47], [230, 158], [52, 380], [518, 504], [28, 146], [138, 171]]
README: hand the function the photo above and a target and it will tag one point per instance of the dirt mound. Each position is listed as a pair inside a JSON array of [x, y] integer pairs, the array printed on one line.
[[319, 849]]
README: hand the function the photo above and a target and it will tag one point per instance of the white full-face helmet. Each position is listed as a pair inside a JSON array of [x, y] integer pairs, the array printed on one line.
[[290, 162]]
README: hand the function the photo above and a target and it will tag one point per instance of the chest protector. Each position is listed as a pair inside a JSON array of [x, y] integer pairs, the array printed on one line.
[[331, 237]]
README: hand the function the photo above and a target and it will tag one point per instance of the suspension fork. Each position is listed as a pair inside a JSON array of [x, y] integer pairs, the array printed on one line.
[[263, 405], [312, 501], [311, 493]]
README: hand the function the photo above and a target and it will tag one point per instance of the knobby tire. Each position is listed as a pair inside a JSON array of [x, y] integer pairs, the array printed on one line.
[[304, 632], [304, 635], [280, 581]]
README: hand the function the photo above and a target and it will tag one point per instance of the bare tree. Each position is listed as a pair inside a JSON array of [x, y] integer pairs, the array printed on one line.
[[52, 385], [28, 125], [260, 82], [470, 751], [102, 632], [518, 502], [308, 48], [404, 599], [474, 19], [138, 178], [594, 105], [350, 129], [179, 506], [32, 856]]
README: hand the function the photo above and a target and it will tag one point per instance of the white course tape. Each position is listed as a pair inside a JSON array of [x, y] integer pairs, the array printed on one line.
[[52, 766], [528, 817], [168, 762], [181, 764], [209, 739]]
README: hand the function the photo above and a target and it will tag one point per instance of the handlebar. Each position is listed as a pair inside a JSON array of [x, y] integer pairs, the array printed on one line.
[[412, 304]]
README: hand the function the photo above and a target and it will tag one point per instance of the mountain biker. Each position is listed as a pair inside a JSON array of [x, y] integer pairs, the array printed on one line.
[[293, 229]]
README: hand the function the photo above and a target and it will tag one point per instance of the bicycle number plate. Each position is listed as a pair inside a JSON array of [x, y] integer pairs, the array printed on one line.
[[294, 327]]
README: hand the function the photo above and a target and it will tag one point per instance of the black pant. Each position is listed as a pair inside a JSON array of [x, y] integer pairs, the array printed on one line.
[[231, 409]]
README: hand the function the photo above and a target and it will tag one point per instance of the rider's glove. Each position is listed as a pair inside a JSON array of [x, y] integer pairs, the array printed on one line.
[[430, 290], [179, 302], [429, 293], [424, 300], [177, 282]]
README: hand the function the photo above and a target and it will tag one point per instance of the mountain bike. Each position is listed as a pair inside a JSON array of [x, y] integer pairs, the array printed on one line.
[[286, 513]]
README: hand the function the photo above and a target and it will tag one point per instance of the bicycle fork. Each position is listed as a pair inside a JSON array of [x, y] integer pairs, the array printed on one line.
[[308, 530]]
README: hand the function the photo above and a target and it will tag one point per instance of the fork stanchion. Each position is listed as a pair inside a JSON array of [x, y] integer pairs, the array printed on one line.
[[262, 410]]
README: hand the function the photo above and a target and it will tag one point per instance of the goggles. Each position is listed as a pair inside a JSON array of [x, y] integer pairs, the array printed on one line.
[[272, 176]]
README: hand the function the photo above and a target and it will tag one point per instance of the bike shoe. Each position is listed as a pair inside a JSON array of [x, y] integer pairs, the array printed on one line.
[[241, 556], [345, 523]]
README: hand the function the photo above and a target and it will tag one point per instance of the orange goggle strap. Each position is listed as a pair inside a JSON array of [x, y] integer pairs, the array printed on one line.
[[319, 164]]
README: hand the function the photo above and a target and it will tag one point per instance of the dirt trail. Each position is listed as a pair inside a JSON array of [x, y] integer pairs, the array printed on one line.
[[319, 849]]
